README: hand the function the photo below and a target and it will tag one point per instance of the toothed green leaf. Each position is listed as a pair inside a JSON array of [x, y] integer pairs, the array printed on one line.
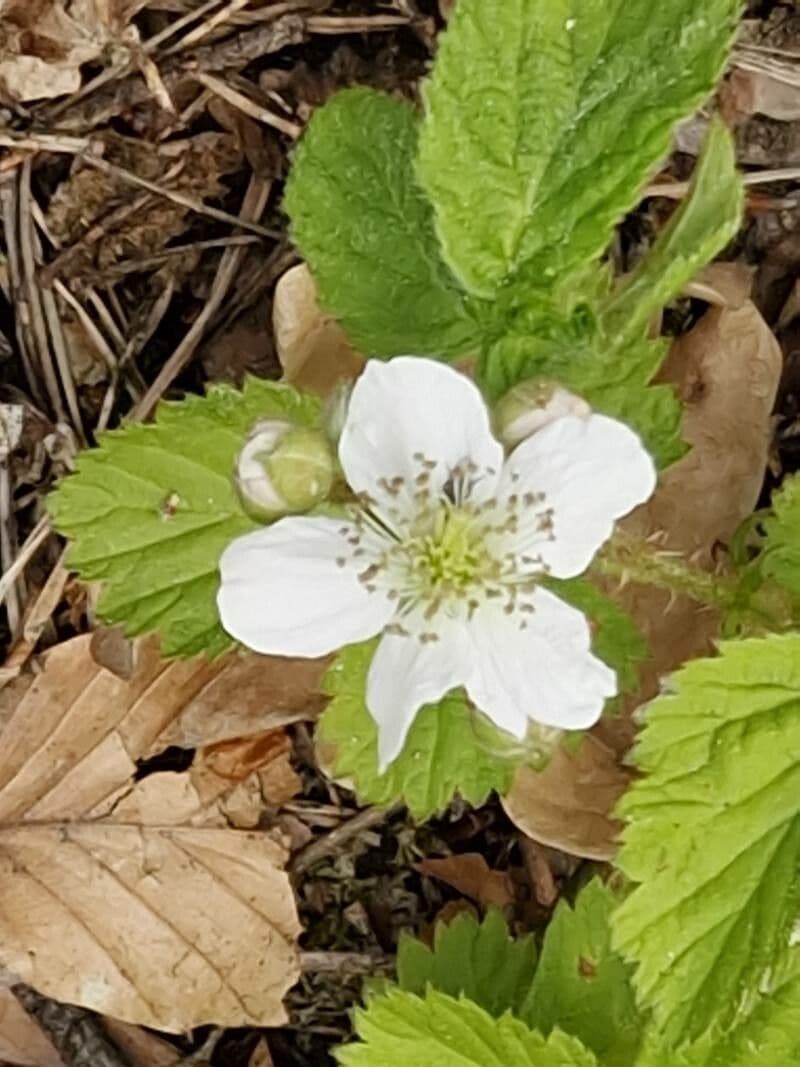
[[476, 960], [151, 509], [366, 230], [714, 836]]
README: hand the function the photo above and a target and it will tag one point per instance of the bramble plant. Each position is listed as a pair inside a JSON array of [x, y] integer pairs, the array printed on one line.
[[451, 538]]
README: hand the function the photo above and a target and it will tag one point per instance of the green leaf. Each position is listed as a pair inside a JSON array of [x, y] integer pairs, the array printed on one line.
[[152, 508], [366, 230], [616, 639], [614, 379], [544, 119], [714, 836], [471, 959], [769, 1036], [582, 985], [706, 221], [441, 756], [437, 1030], [780, 557]]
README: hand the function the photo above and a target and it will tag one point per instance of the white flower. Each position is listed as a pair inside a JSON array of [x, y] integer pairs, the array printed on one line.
[[444, 556]]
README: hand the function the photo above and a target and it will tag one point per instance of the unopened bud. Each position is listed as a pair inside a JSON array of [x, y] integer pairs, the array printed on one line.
[[335, 411], [283, 469], [534, 750], [533, 404]]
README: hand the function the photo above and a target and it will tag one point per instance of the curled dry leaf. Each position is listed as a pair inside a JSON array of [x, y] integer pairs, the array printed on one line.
[[727, 371], [313, 348], [470, 874], [167, 919], [751, 91], [23, 1043], [43, 44]]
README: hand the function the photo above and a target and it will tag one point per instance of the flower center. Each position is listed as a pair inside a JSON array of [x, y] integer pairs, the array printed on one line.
[[451, 557]]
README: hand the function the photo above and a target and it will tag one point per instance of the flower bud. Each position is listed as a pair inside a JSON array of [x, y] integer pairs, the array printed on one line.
[[283, 469], [534, 750], [335, 411], [533, 404]]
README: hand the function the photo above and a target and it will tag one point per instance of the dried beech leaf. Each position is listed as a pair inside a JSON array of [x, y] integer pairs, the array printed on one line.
[[567, 806], [470, 874], [727, 371], [313, 348], [722, 284], [756, 92], [23, 1043], [151, 912]]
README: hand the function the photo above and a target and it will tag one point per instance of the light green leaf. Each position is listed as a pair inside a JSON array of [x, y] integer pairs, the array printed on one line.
[[476, 960], [706, 221], [582, 985], [613, 379], [366, 230], [714, 836], [152, 508], [441, 757], [616, 638], [544, 119], [780, 557], [439, 1031]]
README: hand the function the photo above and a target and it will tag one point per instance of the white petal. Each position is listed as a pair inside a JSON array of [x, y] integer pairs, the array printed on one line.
[[545, 672], [413, 407], [284, 590], [591, 472], [406, 674]]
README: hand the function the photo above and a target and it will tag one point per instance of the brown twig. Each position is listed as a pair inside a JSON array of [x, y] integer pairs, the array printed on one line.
[[249, 107], [9, 202], [176, 197], [254, 203], [679, 190], [333, 24], [347, 964], [323, 846]]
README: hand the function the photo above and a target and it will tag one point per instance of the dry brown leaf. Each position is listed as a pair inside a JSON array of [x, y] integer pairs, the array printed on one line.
[[756, 92], [153, 913], [313, 348], [44, 43], [567, 806], [470, 874], [261, 1055], [139, 1047], [722, 284], [23, 1043], [727, 371]]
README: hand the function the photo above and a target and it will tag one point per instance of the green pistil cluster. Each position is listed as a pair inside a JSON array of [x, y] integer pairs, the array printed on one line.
[[450, 558]]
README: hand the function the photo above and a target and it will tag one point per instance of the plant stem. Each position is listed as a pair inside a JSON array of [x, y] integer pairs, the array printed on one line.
[[636, 560]]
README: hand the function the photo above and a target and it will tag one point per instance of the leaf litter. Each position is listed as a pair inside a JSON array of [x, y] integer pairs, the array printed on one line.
[[122, 825]]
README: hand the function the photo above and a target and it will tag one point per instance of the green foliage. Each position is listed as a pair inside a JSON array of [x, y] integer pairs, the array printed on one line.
[[364, 227], [616, 639], [476, 960], [780, 556], [544, 119], [714, 836], [705, 222], [152, 508], [582, 985], [401, 1029], [441, 756]]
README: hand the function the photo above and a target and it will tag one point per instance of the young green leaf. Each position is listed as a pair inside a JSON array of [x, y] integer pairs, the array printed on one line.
[[400, 1028], [780, 557], [441, 756], [582, 985], [616, 640], [714, 836], [471, 959], [152, 508], [706, 221], [544, 119], [366, 230]]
